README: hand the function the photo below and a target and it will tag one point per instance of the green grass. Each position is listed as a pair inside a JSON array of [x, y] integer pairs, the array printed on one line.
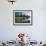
[[19, 20]]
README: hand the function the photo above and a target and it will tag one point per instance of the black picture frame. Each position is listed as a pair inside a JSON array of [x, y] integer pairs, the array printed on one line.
[[22, 17]]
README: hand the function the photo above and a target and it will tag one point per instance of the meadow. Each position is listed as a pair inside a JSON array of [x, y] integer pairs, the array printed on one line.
[[22, 19]]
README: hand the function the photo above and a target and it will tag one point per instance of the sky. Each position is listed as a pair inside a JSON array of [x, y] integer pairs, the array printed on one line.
[[23, 13]]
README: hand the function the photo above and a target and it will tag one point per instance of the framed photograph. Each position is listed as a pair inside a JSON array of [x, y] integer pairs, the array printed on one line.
[[22, 17]]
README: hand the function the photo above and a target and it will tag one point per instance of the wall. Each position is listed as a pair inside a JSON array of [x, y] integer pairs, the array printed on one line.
[[37, 31]]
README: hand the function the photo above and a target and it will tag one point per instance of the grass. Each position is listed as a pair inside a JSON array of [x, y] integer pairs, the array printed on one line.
[[19, 19]]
